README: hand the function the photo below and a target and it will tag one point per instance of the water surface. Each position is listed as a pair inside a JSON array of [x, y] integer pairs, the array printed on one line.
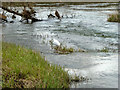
[[84, 26]]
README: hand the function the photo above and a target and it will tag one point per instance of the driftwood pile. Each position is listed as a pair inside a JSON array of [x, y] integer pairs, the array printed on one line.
[[25, 14]]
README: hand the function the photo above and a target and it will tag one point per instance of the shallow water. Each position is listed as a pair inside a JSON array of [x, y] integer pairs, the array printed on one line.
[[84, 27]]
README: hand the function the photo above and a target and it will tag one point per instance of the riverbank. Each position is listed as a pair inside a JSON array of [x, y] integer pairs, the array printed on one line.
[[25, 68]]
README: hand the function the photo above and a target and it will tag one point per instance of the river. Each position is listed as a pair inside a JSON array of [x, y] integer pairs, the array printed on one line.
[[84, 26]]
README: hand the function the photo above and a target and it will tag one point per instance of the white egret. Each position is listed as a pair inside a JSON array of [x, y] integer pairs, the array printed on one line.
[[54, 42]]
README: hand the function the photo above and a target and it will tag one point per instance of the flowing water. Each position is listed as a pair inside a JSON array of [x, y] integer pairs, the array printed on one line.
[[84, 26]]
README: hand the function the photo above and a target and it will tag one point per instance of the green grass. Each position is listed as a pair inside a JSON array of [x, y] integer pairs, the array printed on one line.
[[114, 18], [25, 68]]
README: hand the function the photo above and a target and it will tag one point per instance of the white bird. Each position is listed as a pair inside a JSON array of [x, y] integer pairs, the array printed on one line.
[[54, 42]]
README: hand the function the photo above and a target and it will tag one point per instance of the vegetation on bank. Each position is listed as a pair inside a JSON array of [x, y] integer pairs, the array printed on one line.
[[65, 50], [114, 18], [25, 68]]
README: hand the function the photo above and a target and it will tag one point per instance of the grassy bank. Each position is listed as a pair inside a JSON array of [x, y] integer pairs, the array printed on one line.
[[114, 18], [25, 68]]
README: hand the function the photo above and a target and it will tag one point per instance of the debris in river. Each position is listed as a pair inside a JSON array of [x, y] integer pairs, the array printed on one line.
[[57, 14], [13, 16], [11, 21], [79, 79], [25, 14], [51, 16], [32, 11], [75, 79]]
